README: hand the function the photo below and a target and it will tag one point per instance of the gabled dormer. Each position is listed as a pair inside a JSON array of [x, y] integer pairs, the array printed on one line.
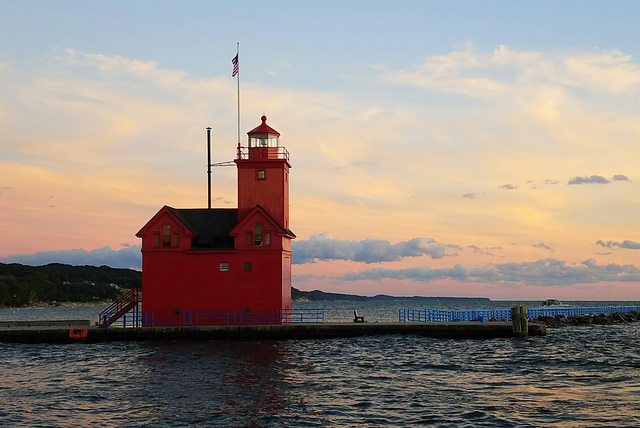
[[165, 232], [258, 230]]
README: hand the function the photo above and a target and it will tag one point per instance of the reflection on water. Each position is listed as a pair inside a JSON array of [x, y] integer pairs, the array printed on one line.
[[575, 376], [213, 383]]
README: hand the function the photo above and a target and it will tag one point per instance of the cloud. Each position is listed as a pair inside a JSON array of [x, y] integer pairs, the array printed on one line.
[[469, 195], [597, 179], [129, 66], [631, 245], [543, 246], [508, 186], [325, 247], [128, 257], [546, 272], [611, 71], [498, 74], [483, 250], [620, 177]]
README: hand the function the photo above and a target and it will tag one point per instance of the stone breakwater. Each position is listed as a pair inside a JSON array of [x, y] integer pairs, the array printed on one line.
[[597, 319]]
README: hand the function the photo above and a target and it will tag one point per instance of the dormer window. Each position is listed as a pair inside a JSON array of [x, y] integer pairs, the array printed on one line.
[[166, 236], [258, 237], [166, 239], [257, 230]]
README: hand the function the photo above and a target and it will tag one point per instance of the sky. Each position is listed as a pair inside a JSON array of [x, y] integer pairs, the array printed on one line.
[[438, 148]]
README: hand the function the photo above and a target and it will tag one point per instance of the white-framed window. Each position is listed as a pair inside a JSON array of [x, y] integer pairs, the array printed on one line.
[[224, 267]]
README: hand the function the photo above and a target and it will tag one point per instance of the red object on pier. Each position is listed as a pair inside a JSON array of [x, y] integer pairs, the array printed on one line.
[[77, 333], [225, 258]]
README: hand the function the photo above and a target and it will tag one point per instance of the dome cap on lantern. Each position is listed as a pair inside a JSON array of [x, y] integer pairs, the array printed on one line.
[[263, 129]]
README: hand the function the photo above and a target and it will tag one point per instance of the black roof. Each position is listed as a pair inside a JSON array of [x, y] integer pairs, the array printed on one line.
[[211, 226]]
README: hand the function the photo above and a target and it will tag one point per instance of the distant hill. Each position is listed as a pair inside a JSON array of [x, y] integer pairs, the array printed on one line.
[[22, 285], [318, 295]]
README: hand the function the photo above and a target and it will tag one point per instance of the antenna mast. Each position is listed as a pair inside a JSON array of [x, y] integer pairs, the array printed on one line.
[[209, 167]]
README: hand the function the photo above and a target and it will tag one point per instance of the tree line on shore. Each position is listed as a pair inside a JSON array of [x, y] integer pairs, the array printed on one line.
[[22, 285]]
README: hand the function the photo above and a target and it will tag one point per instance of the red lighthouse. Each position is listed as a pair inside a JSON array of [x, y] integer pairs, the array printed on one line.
[[199, 264]]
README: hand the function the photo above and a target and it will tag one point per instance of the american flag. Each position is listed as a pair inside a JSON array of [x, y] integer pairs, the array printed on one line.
[[234, 61]]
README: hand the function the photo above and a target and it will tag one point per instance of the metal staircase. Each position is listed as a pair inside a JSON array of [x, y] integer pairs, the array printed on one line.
[[120, 307]]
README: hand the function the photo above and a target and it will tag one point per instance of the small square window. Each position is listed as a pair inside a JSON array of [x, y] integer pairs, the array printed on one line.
[[261, 174], [247, 266], [267, 238], [224, 267]]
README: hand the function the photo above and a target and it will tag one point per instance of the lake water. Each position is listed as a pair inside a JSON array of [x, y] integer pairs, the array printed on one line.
[[573, 377]]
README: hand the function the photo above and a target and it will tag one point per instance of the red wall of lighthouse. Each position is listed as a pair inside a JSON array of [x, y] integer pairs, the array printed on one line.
[[194, 281]]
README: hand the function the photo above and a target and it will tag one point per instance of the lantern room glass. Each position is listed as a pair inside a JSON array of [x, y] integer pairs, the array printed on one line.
[[263, 141]]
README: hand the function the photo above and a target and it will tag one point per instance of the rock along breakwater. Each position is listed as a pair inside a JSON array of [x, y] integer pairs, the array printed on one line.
[[589, 319]]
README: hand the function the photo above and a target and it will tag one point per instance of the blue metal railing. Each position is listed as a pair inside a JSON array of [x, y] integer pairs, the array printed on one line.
[[222, 317], [440, 315]]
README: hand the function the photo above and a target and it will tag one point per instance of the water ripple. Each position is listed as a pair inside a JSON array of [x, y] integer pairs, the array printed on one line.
[[575, 376]]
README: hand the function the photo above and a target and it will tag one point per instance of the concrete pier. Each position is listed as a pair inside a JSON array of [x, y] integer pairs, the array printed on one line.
[[82, 333], [44, 323]]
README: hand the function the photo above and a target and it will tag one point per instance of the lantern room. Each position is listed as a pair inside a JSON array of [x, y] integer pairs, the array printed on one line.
[[263, 141]]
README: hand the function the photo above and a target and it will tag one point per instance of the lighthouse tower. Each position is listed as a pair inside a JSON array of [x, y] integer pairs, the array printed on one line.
[[200, 262], [263, 174], [263, 212]]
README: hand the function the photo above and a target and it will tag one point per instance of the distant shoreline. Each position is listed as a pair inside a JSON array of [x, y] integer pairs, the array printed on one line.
[[317, 295], [59, 304]]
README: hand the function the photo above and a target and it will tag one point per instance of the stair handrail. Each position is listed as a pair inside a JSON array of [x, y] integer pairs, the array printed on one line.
[[132, 296]]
